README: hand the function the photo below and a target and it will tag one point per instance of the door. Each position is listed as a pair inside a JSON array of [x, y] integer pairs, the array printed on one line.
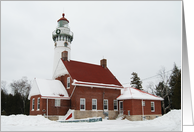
[[121, 107]]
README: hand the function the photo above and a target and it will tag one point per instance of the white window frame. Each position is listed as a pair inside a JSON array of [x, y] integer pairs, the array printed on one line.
[[114, 105], [121, 111], [152, 105], [38, 104], [104, 104], [57, 102], [143, 103], [94, 104], [33, 101], [68, 82], [84, 103]]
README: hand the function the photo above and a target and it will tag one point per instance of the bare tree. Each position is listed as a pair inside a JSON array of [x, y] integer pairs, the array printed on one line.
[[164, 90], [3, 86], [151, 88], [21, 87]]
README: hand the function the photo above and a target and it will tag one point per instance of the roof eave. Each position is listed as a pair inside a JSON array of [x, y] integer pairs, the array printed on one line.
[[97, 85]]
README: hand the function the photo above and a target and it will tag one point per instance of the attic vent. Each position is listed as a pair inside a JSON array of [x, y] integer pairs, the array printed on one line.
[[103, 63], [65, 55]]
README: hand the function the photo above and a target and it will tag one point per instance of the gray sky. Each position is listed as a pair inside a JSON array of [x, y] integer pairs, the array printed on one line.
[[141, 36]]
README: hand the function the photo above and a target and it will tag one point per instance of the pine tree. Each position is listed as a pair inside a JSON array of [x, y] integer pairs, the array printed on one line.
[[162, 90], [136, 83], [175, 85]]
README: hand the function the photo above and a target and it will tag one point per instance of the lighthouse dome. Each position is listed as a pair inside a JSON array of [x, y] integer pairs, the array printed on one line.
[[63, 22]]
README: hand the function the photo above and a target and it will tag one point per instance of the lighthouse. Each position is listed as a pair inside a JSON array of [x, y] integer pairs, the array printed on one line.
[[62, 37]]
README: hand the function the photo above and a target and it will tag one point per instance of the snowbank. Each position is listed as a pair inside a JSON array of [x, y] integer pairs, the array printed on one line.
[[169, 122]]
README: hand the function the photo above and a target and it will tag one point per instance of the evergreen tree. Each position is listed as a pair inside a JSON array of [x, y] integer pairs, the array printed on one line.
[[136, 83], [163, 91], [3, 102], [18, 102], [175, 85]]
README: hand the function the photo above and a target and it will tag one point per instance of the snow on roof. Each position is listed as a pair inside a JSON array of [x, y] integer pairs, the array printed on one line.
[[133, 93], [48, 88], [60, 70]]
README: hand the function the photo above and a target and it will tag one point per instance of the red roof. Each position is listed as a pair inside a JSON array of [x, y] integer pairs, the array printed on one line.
[[86, 72], [63, 18]]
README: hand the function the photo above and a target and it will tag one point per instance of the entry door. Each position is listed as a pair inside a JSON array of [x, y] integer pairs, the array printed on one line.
[[121, 107]]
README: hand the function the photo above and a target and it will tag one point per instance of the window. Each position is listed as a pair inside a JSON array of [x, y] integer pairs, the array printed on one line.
[[94, 104], [82, 104], [65, 44], [68, 82], [57, 102], [38, 104], [121, 107], [143, 103], [152, 107], [33, 104], [105, 104], [129, 112], [115, 105]]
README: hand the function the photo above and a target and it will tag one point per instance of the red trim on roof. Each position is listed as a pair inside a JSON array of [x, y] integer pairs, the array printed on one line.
[[90, 73], [145, 92]]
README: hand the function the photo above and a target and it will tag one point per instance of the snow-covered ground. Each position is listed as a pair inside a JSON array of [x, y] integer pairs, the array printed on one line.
[[169, 122]]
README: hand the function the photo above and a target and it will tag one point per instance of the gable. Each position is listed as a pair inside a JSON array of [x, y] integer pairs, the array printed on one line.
[[60, 70], [34, 90], [133, 93], [85, 72], [48, 88]]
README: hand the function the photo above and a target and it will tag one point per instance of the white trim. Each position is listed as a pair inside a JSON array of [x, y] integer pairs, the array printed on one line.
[[68, 82], [117, 105], [120, 111], [153, 106], [143, 102], [142, 105], [47, 107], [96, 104], [57, 103], [54, 97], [73, 91], [98, 85], [83, 104], [107, 104], [37, 104], [33, 103]]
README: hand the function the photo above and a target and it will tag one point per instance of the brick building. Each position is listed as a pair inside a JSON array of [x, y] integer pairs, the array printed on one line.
[[88, 90], [138, 105]]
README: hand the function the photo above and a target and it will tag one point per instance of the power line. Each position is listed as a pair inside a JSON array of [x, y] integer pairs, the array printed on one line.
[[152, 76]]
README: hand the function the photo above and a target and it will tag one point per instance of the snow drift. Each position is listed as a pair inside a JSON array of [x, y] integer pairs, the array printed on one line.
[[168, 122]]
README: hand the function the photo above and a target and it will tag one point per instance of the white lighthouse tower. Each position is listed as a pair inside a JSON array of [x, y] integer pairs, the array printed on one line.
[[62, 38]]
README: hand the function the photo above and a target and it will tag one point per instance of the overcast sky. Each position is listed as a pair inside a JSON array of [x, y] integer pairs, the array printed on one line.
[[140, 37]]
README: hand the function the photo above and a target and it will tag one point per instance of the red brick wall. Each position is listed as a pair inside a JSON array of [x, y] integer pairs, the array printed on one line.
[[63, 79], [93, 93], [52, 109], [89, 93], [135, 107]]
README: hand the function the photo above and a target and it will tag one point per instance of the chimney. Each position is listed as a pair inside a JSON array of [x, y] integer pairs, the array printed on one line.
[[103, 63], [64, 55]]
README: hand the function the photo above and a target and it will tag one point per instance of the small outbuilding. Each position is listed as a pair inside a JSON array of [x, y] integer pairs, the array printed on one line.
[[136, 104]]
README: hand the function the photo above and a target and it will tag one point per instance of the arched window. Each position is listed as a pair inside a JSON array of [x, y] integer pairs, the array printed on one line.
[[65, 44]]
